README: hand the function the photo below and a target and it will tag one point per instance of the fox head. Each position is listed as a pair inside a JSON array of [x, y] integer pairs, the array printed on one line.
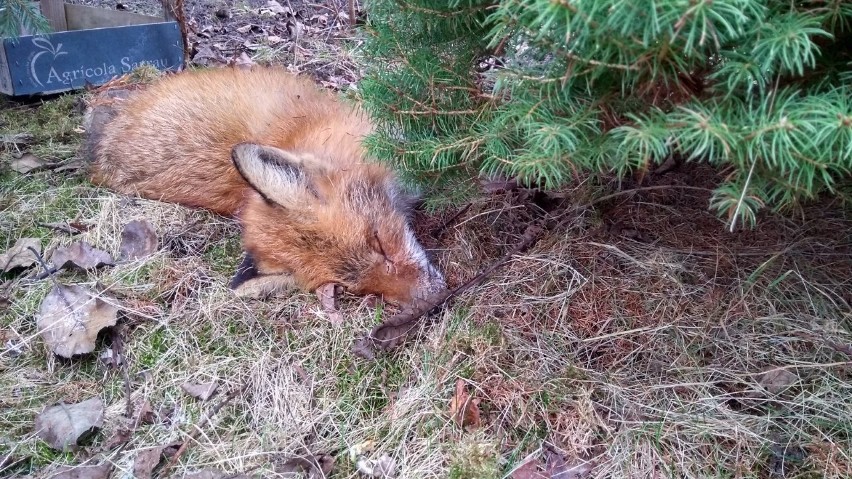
[[321, 224]]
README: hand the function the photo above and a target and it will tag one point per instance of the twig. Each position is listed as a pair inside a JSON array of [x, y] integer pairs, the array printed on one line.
[[62, 227], [194, 435], [395, 329], [118, 355], [437, 232], [175, 10], [352, 13], [392, 332], [48, 272]]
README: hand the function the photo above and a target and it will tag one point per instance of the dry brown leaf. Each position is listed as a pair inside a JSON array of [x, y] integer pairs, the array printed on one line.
[[138, 240], [243, 62], [81, 255], [61, 426], [277, 8], [383, 467], [327, 295], [559, 468], [208, 56], [244, 28], [274, 39], [101, 471], [310, 465], [200, 391], [19, 255], [27, 163], [533, 469], [146, 461], [463, 408], [146, 415], [70, 318], [118, 438], [776, 380]]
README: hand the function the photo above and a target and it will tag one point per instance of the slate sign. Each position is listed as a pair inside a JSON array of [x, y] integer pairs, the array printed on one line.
[[68, 60]]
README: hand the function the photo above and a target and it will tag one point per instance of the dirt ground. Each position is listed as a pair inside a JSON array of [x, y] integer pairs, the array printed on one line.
[[637, 339]]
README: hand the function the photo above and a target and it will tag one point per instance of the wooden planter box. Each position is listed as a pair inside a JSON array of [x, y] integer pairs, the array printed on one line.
[[89, 46]]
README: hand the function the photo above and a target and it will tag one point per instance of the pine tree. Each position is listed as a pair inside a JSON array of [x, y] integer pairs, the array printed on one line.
[[760, 89]]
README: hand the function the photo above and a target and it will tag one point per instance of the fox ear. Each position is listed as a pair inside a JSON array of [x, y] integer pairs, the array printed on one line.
[[279, 176]]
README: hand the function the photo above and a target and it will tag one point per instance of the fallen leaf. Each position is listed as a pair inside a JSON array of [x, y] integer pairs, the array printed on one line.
[[19, 255], [101, 471], [110, 359], [327, 295], [313, 466], [277, 8], [138, 240], [530, 470], [395, 330], [382, 467], [776, 380], [560, 468], [274, 40], [118, 438], [81, 255], [243, 62], [321, 19], [463, 408], [363, 348], [27, 163], [244, 28], [200, 391], [62, 425], [70, 318], [170, 449], [208, 56], [146, 461], [146, 415]]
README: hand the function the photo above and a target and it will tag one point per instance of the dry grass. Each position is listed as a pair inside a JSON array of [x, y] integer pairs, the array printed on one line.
[[656, 356]]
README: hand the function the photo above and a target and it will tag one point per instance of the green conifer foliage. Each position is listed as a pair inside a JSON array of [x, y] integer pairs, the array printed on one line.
[[18, 15], [761, 89]]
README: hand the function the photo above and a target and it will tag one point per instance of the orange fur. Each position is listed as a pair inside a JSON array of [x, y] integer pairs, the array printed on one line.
[[310, 203]]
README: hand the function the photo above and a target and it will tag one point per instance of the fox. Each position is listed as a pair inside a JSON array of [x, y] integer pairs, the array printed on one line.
[[286, 159]]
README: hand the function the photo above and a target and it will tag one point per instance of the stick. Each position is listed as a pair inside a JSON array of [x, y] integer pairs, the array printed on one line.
[[48, 273], [352, 14], [393, 332], [118, 355], [194, 435], [439, 231]]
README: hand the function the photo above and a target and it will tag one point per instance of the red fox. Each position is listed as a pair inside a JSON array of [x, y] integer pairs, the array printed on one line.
[[284, 157]]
